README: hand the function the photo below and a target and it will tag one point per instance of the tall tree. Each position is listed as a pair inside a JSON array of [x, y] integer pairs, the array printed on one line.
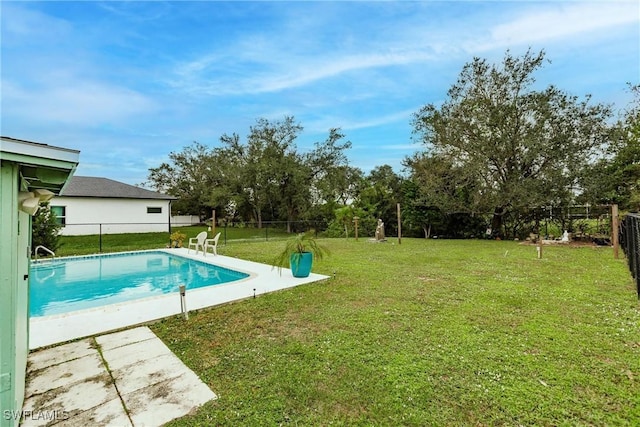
[[264, 179], [266, 165], [189, 176], [615, 178], [380, 192], [443, 183], [333, 191], [523, 146], [333, 178], [437, 188]]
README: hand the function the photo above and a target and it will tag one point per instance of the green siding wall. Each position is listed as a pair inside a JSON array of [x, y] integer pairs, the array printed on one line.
[[46, 167], [11, 379]]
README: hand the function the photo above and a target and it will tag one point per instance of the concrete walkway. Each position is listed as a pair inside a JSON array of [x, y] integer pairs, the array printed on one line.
[[127, 378]]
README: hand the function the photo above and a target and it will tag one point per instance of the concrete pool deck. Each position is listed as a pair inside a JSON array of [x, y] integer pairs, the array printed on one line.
[[127, 378], [55, 329]]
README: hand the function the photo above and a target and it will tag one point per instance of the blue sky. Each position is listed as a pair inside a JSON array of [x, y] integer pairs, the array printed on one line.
[[126, 83]]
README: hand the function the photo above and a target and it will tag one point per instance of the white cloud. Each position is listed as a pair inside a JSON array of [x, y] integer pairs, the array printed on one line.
[[89, 77], [77, 103], [400, 147], [564, 20], [310, 73], [28, 24], [257, 63], [351, 124], [136, 11], [202, 76], [400, 116]]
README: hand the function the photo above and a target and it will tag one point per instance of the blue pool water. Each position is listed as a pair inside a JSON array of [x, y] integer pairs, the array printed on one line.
[[70, 284]]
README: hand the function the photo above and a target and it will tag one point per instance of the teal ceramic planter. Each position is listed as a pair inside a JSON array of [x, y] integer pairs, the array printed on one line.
[[301, 264]]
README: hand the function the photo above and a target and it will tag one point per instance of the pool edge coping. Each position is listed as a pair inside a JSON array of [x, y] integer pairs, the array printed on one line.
[[55, 329]]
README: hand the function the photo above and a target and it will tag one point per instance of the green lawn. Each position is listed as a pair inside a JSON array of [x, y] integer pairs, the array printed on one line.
[[429, 332]]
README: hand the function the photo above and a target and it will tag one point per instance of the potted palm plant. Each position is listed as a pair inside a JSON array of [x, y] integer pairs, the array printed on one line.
[[299, 252], [177, 238]]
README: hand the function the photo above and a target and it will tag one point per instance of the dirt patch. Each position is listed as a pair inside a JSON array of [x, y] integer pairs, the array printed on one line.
[[572, 244]]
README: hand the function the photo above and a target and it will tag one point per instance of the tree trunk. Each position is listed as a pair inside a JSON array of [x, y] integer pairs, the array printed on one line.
[[259, 218], [290, 218], [427, 231], [497, 222]]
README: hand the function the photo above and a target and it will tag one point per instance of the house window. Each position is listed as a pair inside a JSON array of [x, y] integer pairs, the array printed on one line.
[[153, 209], [60, 213]]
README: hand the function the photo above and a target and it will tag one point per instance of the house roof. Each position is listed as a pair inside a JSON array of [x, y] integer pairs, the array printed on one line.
[[41, 165], [88, 186], [37, 150]]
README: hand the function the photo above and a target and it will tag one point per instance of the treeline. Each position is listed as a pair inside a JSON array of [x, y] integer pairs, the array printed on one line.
[[494, 152]]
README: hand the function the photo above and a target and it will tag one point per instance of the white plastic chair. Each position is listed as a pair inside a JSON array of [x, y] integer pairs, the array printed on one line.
[[198, 242], [212, 243]]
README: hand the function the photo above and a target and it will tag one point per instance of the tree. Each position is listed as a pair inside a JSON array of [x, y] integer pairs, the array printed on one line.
[[439, 196], [522, 147], [417, 212], [615, 178], [189, 177], [442, 183], [233, 191], [333, 191], [45, 229], [264, 179], [379, 194], [270, 174], [276, 181], [332, 176]]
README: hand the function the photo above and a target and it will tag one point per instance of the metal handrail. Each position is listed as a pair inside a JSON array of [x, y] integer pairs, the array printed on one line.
[[45, 249]]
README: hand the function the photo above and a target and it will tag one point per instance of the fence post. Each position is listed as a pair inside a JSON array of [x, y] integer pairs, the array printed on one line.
[[635, 252], [539, 247], [100, 238], [615, 230], [355, 221], [632, 237], [399, 226], [213, 222]]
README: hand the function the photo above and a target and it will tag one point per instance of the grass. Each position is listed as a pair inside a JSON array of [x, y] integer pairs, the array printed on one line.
[[429, 332]]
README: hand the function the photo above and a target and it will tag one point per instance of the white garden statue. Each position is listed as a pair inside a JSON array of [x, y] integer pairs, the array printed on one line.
[[380, 231]]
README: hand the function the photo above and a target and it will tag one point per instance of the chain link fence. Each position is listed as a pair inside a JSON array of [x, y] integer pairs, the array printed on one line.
[[267, 230], [630, 243], [115, 237]]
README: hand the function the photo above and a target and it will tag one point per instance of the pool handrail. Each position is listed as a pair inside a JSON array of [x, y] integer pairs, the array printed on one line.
[[45, 249]]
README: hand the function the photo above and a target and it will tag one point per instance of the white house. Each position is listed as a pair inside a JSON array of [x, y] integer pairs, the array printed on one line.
[[90, 205]]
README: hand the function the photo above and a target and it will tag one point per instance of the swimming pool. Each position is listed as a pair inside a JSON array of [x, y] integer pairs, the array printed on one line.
[[76, 283]]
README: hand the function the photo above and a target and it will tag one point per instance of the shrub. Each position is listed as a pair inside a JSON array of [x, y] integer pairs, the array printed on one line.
[[45, 230]]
